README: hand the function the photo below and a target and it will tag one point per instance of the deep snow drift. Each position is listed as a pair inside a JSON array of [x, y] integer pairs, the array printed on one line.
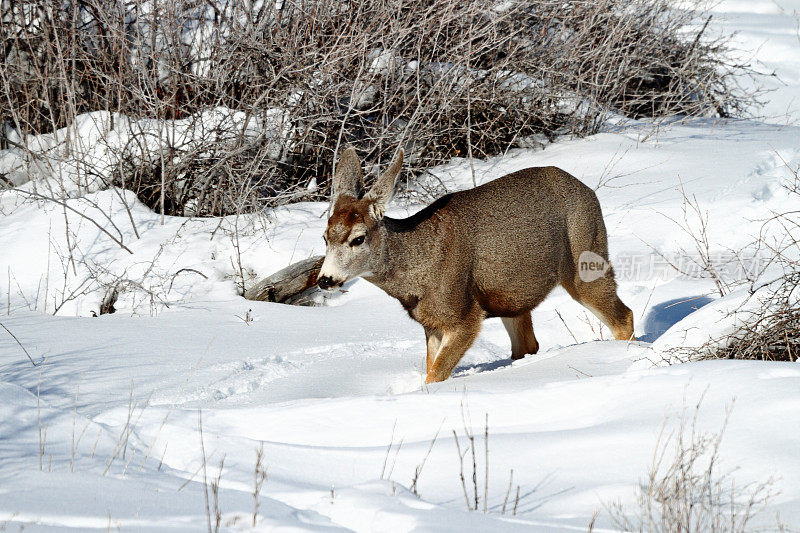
[[105, 432]]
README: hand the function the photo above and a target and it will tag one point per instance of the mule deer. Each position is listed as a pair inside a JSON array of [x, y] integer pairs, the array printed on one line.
[[493, 251]]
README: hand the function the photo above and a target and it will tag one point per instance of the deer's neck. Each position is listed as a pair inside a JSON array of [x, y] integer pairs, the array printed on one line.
[[399, 263]]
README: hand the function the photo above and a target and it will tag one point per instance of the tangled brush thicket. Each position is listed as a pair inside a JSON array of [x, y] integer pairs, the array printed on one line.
[[767, 324], [442, 78], [773, 334]]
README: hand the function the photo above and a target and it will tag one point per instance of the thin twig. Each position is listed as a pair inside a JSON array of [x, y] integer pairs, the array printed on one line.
[[203, 466], [461, 470], [82, 215], [508, 492], [19, 343]]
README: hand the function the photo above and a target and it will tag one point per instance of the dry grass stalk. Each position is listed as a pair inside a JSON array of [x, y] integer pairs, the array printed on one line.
[[686, 491], [418, 469], [259, 477], [461, 470]]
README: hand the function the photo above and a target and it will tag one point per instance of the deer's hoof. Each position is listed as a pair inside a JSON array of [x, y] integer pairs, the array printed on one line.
[[432, 378]]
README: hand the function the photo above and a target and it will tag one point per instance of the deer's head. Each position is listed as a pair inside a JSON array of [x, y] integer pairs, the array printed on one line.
[[352, 237]]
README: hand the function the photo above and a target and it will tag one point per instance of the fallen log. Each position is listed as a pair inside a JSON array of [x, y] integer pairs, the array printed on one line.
[[290, 285]]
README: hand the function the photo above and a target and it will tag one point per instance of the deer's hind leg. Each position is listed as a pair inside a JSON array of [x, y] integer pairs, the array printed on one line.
[[600, 297], [523, 341]]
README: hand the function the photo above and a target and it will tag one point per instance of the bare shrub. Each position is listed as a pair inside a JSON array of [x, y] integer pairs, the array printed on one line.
[[770, 333], [685, 490], [770, 330], [773, 333], [443, 78]]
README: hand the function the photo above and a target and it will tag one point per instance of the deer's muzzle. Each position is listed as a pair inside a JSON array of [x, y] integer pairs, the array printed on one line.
[[327, 283]]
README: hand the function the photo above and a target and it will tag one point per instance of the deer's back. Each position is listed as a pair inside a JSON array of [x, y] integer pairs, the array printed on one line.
[[519, 236]]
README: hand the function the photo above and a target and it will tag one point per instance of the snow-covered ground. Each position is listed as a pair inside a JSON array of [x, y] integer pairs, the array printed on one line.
[[105, 432]]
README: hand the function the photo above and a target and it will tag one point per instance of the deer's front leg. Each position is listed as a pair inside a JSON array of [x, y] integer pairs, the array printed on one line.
[[433, 337], [452, 347]]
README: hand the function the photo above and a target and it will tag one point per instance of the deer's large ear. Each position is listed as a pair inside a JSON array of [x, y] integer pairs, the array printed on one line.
[[348, 178], [381, 192]]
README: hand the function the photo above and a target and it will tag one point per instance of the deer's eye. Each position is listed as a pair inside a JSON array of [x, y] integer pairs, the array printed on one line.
[[357, 241]]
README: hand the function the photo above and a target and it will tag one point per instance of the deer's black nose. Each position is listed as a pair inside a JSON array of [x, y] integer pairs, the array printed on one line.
[[325, 282]]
